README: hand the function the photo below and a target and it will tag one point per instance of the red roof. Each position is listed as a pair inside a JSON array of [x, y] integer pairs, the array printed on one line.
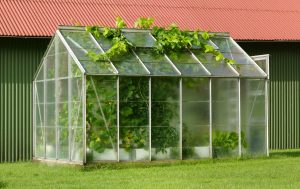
[[245, 20]]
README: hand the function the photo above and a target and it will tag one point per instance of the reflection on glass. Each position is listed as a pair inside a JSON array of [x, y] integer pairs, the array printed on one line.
[[165, 118], [157, 64], [134, 119], [225, 107], [101, 110], [253, 116], [195, 115], [187, 64]]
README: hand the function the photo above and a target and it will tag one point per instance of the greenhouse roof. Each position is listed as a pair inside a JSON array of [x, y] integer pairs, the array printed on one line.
[[143, 61]]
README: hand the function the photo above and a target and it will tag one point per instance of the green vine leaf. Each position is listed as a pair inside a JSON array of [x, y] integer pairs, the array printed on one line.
[[120, 22], [170, 39], [143, 23]]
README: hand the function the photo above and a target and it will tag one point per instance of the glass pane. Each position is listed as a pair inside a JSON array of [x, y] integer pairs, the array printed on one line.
[[50, 114], [81, 44], [40, 74], [40, 142], [134, 118], [39, 91], [62, 64], [226, 45], [63, 145], [104, 42], [50, 66], [74, 70], [195, 115], [80, 38], [157, 64], [187, 64], [262, 64], [77, 144], [225, 117], [165, 118], [50, 143], [129, 65], [39, 116], [140, 39], [248, 70], [214, 67], [101, 98], [253, 117]]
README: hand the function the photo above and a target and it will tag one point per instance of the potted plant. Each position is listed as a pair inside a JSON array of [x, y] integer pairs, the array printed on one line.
[[225, 142]]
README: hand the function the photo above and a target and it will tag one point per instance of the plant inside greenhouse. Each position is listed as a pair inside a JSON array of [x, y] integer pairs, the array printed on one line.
[[147, 93]]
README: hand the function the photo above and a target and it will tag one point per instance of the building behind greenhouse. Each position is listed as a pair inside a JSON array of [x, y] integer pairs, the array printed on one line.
[[144, 105], [267, 28]]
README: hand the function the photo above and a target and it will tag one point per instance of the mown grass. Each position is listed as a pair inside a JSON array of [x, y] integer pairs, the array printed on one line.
[[281, 170]]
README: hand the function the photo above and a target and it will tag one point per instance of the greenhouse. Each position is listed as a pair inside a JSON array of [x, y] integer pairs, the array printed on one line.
[[145, 106]]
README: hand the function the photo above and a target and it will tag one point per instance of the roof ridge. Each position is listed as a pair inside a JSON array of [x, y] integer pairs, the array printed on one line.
[[111, 3]]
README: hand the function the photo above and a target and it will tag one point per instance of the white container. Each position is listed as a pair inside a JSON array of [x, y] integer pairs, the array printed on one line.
[[161, 155], [124, 155], [141, 154], [202, 151], [107, 154]]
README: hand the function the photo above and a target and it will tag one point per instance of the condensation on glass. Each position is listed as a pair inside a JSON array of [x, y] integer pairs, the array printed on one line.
[[146, 106]]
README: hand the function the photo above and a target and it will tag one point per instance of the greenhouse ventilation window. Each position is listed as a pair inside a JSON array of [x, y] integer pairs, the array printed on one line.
[[146, 106]]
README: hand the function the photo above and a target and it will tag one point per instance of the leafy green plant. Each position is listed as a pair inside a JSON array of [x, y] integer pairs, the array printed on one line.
[[167, 39], [144, 23], [224, 141]]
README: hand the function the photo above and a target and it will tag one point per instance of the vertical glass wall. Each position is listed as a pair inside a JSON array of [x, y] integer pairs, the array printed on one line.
[[101, 118], [253, 117], [165, 118], [225, 117], [134, 118], [58, 106], [196, 118], [146, 106]]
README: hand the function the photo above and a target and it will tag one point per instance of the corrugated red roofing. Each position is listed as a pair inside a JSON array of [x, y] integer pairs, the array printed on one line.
[[245, 20]]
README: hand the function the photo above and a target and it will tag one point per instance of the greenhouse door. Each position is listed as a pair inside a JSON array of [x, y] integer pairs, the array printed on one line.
[[263, 62]]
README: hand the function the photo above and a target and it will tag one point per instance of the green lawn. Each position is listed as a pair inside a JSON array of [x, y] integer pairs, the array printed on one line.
[[282, 170]]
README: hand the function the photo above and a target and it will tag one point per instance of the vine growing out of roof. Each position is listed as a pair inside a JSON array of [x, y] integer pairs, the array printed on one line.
[[168, 39]]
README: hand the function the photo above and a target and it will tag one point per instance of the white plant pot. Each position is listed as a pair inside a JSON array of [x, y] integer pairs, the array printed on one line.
[[161, 155], [202, 151], [124, 155], [141, 154], [107, 154]]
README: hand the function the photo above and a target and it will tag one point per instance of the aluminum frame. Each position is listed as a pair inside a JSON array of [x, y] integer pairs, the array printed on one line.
[[72, 56]]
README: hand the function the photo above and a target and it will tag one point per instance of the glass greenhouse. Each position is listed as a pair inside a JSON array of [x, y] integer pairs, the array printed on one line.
[[146, 106]]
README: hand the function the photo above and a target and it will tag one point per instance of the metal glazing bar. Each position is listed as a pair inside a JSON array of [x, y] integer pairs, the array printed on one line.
[[267, 115], [101, 49], [57, 92], [169, 60], [150, 121], [210, 118], [69, 107], [70, 50], [118, 119], [84, 118], [239, 117], [45, 109], [180, 118], [258, 68], [141, 62], [195, 58], [34, 119]]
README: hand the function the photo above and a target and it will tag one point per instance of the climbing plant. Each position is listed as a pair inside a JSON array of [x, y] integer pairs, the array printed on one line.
[[171, 38]]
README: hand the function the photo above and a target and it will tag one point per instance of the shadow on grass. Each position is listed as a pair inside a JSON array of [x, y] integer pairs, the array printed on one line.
[[285, 153], [274, 154], [3, 184], [167, 163]]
